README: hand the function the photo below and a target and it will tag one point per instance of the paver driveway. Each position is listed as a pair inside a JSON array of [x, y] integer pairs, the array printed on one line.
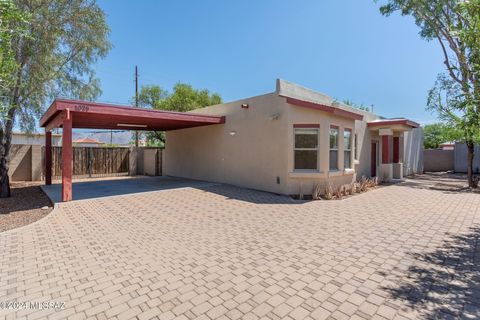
[[230, 253]]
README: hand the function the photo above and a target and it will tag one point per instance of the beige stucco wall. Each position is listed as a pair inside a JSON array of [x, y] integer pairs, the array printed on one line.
[[300, 182], [260, 153], [249, 150], [255, 146]]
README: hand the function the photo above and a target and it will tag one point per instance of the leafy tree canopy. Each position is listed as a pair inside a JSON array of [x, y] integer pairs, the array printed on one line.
[[64, 38], [13, 24], [183, 98], [438, 133]]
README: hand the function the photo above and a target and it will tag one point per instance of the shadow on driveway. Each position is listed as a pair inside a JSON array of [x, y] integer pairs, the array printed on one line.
[[83, 190], [445, 283]]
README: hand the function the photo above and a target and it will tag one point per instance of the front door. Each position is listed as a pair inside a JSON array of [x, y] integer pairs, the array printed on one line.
[[373, 158]]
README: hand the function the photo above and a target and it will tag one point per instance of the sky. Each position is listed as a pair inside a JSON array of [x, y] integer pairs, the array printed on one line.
[[345, 49]]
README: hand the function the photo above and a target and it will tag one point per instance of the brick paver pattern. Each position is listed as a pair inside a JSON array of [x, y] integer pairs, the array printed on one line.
[[221, 252]]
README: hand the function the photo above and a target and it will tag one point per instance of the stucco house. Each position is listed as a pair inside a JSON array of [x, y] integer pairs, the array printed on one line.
[[292, 139]]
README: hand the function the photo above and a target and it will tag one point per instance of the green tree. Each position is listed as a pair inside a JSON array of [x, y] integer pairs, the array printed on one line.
[[64, 39], [455, 25], [438, 133], [183, 98], [13, 23]]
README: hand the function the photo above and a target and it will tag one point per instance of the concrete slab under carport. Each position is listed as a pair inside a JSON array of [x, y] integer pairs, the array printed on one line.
[[100, 188]]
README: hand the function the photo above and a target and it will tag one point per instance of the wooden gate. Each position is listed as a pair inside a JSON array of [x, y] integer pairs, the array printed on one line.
[[93, 162]]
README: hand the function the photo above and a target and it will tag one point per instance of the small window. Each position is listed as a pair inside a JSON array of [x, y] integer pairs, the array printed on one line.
[[355, 147], [306, 149], [347, 149], [333, 148]]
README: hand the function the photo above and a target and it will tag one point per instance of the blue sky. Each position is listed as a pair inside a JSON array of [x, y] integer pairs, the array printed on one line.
[[345, 49]]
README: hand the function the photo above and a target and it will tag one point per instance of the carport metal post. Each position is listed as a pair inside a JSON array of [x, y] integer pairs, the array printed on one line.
[[67, 156], [48, 157]]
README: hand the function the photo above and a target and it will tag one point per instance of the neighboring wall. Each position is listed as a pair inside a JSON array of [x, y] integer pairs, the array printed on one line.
[[37, 139], [25, 163], [461, 158], [438, 160], [249, 150]]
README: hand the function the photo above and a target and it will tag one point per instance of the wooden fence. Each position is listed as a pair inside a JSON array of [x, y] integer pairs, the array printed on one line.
[[93, 162]]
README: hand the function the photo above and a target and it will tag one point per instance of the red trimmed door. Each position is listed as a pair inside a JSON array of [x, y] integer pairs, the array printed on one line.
[[373, 158]]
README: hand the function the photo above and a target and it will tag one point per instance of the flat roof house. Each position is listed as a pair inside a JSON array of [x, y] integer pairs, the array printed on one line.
[[285, 142], [292, 139]]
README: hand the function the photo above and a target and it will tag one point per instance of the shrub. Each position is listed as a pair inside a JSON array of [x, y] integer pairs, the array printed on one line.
[[363, 184], [350, 188], [328, 194], [339, 192], [316, 193]]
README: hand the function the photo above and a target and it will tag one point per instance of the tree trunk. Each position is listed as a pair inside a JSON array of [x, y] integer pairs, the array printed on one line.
[[4, 180], [5, 145], [470, 155]]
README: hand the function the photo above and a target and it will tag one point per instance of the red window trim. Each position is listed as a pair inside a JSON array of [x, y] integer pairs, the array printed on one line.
[[348, 129], [300, 125], [332, 126]]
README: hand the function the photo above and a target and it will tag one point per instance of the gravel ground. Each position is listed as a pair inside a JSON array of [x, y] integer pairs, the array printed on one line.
[[24, 207]]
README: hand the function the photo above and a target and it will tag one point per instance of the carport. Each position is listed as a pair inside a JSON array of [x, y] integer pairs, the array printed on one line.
[[69, 114]]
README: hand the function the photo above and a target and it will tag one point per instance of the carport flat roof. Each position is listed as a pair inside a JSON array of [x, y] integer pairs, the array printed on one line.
[[93, 115]]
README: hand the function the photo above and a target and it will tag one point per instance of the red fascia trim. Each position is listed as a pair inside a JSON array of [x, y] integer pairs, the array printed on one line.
[[311, 105], [109, 109], [325, 108], [306, 126], [347, 114], [394, 122]]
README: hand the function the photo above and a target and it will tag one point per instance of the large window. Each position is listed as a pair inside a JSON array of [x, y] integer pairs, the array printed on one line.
[[306, 149], [347, 149], [333, 148]]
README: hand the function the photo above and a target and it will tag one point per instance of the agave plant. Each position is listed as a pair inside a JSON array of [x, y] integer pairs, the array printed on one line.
[[350, 188], [328, 194], [316, 192], [339, 192]]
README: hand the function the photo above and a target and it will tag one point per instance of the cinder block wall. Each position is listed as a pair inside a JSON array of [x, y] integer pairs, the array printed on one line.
[[437, 160], [461, 155], [25, 163]]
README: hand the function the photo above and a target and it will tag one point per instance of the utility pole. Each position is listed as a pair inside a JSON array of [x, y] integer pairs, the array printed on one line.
[[136, 101]]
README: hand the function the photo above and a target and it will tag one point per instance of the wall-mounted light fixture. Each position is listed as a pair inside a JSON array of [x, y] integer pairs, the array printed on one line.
[[232, 133], [245, 105], [275, 116]]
